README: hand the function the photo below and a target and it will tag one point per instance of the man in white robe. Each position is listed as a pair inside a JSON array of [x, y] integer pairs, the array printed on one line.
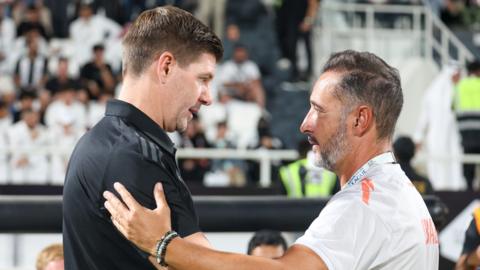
[[437, 132]]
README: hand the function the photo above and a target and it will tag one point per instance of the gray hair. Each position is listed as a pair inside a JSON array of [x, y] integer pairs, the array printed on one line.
[[367, 79]]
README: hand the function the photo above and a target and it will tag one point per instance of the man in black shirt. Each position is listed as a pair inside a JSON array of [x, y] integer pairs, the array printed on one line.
[[169, 61], [470, 255]]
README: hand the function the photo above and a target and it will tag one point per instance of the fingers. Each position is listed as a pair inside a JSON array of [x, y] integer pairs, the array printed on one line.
[[159, 195], [119, 226], [116, 208], [126, 196]]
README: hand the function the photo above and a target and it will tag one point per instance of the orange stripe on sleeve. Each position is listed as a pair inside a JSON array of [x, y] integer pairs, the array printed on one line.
[[367, 186]]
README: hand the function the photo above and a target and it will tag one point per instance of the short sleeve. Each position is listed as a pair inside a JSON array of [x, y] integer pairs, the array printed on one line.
[[140, 175], [345, 235], [253, 71]]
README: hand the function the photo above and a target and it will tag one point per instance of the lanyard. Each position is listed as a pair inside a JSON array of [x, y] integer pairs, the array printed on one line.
[[384, 158]]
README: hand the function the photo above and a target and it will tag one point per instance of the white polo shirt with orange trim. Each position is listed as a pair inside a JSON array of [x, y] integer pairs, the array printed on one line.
[[377, 222]]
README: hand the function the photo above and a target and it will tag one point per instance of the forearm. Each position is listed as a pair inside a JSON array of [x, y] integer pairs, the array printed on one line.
[[182, 255]]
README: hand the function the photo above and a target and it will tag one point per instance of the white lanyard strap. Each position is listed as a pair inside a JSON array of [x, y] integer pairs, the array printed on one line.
[[384, 158]]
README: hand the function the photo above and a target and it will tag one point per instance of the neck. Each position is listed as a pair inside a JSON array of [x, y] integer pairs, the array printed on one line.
[[360, 155], [140, 92]]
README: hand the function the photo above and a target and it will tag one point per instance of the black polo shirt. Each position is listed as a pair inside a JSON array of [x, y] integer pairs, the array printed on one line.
[[128, 147]]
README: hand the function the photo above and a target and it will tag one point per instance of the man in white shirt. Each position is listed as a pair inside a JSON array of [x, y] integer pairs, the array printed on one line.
[[241, 77], [90, 29], [66, 105], [29, 165], [377, 221]]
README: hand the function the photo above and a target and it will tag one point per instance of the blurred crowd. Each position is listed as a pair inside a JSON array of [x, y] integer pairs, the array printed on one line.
[[60, 62]]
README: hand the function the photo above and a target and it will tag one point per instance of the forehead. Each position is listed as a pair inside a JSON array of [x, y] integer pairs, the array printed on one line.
[[204, 63], [323, 88]]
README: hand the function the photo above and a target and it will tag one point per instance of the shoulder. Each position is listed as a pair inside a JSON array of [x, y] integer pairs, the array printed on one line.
[[345, 206], [110, 139]]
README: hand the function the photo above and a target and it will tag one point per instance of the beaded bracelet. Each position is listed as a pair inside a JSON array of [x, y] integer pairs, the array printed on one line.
[[161, 248]]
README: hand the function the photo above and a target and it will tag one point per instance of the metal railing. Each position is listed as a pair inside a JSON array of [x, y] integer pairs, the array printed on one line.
[[426, 33], [264, 157]]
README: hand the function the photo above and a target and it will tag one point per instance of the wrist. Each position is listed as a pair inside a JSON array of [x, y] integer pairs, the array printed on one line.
[[161, 247]]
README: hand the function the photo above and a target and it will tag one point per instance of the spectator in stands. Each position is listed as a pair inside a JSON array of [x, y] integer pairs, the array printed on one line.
[[194, 170], [31, 20], [268, 244], [31, 71], [241, 77], [243, 17], [27, 100], [247, 21], [223, 137], [21, 44], [302, 179], [231, 169], [97, 75], [28, 166], [91, 29], [470, 256], [51, 258], [7, 38], [65, 134], [7, 89], [212, 12], [5, 124], [62, 79], [404, 150], [295, 19], [66, 105], [467, 108], [266, 141]]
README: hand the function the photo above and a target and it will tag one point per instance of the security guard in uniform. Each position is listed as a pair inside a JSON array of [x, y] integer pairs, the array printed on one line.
[[302, 179], [467, 109]]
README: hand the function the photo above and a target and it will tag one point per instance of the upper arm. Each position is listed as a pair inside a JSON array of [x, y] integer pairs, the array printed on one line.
[[301, 257], [139, 175]]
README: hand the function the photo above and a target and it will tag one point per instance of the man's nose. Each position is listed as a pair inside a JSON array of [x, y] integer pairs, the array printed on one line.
[[206, 97], [306, 126]]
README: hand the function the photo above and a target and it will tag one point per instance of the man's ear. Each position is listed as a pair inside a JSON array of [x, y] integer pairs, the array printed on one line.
[[164, 66], [363, 120]]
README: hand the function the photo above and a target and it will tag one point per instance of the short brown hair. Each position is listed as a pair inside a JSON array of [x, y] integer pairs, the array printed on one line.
[[367, 79], [49, 254], [167, 29]]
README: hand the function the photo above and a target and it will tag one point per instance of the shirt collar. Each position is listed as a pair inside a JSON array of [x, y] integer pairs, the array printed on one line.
[[140, 120]]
